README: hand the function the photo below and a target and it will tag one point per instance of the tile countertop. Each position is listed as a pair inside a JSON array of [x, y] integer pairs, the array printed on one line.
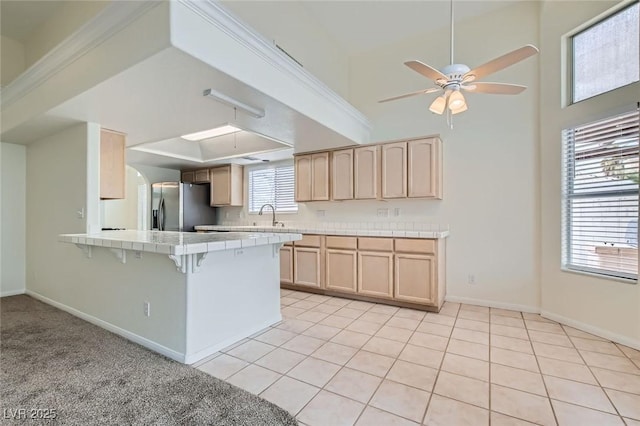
[[178, 243], [330, 231]]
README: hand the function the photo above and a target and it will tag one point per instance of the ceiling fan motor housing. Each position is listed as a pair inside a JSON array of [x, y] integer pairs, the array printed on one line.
[[455, 72]]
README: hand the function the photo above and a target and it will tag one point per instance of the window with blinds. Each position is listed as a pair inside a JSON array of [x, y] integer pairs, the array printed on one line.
[[273, 185], [600, 194]]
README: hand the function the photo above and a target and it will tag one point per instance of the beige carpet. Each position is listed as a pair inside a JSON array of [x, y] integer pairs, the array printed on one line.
[[52, 360]]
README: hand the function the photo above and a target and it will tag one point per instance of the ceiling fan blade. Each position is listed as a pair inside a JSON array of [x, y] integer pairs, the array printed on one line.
[[426, 70], [495, 88], [419, 92], [503, 61]]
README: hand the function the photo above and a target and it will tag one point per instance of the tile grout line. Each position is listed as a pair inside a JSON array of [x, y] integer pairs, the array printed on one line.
[[435, 381], [544, 382], [597, 381]]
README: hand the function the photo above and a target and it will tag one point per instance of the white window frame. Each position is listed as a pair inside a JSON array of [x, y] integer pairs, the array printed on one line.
[[567, 53], [257, 167], [568, 194]]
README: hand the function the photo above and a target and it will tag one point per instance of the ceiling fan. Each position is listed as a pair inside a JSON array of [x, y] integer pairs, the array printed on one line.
[[453, 79]]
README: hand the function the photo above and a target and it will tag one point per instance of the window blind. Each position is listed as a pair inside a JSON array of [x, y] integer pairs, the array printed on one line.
[[274, 185], [600, 197]]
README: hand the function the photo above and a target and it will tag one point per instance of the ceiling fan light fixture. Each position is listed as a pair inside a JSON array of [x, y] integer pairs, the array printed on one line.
[[438, 105], [457, 102], [458, 110]]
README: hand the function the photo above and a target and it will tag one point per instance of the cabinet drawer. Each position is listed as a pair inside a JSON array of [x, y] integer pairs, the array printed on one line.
[[346, 243], [308, 241], [415, 246], [375, 244]]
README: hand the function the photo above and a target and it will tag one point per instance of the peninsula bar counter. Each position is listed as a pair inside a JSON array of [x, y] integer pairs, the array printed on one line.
[[186, 295]]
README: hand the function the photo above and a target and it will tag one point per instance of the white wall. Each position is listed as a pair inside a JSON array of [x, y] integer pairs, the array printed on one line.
[[123, 213], [491, 181], [13, 212], [61, 179], [291, 27], [56, 190], [604, 306], [11, 61]]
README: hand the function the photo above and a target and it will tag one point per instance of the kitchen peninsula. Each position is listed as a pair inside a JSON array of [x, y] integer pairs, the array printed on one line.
[[185, 295]]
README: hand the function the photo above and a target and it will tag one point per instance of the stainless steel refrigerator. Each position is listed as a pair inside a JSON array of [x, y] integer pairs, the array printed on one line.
[[179, 206]]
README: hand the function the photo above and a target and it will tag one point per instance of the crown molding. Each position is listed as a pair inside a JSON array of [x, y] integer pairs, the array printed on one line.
[[104, 25], [217, 15]]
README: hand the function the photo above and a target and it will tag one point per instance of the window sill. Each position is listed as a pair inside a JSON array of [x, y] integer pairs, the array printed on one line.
[[632, 281]]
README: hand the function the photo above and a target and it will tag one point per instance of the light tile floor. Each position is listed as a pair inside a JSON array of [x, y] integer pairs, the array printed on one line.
[[334, 361]]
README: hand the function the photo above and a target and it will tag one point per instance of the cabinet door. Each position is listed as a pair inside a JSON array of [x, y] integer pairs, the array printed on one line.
[[188, 177], [365, 171], [394, 170], [201, 176], [286, 265], [375, 274], [112, 172], [341, 270], [306, 266], [342, 175], [415, 278], [303, 178], [320, 176], [221, 186], [424, 168]]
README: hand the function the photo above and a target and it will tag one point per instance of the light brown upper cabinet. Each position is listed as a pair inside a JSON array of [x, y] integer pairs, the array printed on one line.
[[394, 170], [312, 177], [112, 163], [303, 179], [424, 168], [342, 175], [196, 176], [366, 172], [226, 185]]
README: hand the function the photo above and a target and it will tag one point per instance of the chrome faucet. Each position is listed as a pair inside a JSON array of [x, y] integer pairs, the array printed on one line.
[[274, 222]]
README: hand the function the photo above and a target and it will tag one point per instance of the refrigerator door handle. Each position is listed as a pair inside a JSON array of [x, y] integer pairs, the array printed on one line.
[[161, 215]]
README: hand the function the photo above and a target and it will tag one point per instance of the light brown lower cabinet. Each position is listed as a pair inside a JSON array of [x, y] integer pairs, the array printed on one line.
[[306, 270], [286, 265], [341, 270], [401, 271], [415, 278], [375, 274]]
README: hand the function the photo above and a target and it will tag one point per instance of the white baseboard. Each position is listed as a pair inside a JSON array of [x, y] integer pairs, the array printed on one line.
[[12, 292], [493, 304], [192, 358], [150, 344], [605, 334]]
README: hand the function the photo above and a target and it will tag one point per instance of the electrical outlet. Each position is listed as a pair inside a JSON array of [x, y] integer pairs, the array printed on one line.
[[137, 254], [238, 252], [147, 309], [396, 212], [383, 212], [80, 213], [471, 279], [320, 213]]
